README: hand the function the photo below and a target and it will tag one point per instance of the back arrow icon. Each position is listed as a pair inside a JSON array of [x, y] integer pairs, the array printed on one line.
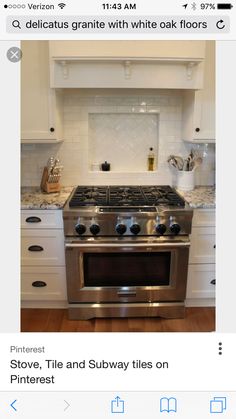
[[12, 405], [67, 405]]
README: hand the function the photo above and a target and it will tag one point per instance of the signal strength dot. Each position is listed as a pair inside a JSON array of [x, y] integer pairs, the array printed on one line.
[[61, 5]]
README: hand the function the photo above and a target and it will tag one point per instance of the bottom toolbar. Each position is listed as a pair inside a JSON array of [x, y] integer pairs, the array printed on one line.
[[129, 405]]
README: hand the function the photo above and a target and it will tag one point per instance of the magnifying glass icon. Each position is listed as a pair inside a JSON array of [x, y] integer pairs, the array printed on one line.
[[16, 24]]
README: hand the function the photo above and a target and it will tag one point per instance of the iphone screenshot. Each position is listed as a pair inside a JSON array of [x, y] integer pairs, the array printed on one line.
[[117, 209]]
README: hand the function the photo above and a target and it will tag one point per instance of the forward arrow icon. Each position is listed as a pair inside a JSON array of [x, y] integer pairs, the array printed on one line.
[[67, 405]]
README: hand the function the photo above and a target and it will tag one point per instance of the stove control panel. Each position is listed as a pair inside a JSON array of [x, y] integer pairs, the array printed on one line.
[[163, 224]]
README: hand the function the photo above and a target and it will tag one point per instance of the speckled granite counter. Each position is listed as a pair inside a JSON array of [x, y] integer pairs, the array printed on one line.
[[34, 198], [200, 197]]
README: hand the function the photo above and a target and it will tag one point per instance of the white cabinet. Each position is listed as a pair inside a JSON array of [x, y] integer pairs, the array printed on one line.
[[201, 270], [127, 64], [202, 245], [51, 279], [199, 106], [128, 49], [41, 107], [41, 219], [42, 247], [43, 277], [201, 281]]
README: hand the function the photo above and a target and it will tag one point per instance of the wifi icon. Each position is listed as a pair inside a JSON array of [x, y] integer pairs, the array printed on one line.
[[61, 5]]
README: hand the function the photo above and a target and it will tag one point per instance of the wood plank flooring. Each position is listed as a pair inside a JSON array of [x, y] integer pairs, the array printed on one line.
[[197, 319]]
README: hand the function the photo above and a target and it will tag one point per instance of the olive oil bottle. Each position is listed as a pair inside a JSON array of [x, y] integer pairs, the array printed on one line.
[[151, 160]]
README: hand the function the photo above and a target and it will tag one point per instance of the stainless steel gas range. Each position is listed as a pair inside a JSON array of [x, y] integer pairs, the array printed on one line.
[[127, 250]]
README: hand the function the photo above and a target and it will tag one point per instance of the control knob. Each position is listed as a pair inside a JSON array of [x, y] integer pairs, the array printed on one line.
[[80, 228], [121, 228], [95, 229], [174, 226], [135, 228], [161, 229]]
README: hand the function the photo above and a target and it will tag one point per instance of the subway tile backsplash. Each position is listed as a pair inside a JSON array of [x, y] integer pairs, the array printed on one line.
[[122, 139], [118, 126]]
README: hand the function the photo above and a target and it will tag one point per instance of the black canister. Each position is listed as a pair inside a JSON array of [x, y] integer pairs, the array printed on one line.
[[106, 166]]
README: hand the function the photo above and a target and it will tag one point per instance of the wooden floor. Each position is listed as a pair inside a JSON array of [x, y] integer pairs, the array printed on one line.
[[200, 319]]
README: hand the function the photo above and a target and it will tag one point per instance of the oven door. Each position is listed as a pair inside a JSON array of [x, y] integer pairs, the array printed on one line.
[[127, 271]]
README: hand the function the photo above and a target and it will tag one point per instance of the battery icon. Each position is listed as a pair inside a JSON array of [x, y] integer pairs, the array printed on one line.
[[224, 6]]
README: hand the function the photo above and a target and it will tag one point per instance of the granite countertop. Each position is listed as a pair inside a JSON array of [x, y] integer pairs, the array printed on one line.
[[200, 197], [34, 198]]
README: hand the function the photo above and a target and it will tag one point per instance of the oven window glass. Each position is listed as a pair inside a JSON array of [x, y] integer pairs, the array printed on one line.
[[122, 270]]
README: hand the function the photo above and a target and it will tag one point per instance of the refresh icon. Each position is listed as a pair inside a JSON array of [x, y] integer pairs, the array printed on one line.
[[220, 24]]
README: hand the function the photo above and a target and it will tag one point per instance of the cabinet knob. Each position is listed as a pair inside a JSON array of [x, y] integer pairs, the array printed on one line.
[[214, 246], [33, 220], [52, 129], [39, 284], [213, 282], [35, 248], [197, 129]]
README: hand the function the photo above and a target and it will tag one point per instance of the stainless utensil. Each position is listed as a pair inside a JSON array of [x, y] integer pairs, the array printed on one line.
[[186, 165], [54, 170], [172, 162], [197, 162], [50, 163], [179, 161]]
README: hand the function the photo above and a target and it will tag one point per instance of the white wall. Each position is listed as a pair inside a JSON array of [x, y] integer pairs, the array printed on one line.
[[76, 153]]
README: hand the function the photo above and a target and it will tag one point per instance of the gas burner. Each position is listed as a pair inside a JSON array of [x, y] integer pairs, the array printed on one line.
[[89, 196], [125, 196], [162, 195]]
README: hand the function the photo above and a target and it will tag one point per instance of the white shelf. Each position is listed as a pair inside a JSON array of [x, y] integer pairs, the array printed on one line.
[[41, 141], [123, 172], [196, 141]]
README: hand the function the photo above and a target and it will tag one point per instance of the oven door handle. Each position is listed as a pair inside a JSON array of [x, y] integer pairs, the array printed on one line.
[[126, 293], [147, 246]]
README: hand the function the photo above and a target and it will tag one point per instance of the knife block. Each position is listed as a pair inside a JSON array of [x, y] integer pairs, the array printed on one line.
[[46, 186]]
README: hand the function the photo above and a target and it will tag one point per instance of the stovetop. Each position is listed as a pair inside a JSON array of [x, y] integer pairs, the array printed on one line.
[[125, 196]]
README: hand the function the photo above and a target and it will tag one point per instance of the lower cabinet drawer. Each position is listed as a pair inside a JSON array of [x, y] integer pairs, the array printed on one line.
[[42, 247], [202, 249], [43, 283], [201, 281], [204, 217], [38, 219]]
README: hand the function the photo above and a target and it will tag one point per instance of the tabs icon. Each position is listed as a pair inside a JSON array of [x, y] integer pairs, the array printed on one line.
[[218, 405]]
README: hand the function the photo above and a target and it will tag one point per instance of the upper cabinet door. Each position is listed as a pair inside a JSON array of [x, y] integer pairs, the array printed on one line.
[[199, 106], [40, 105]]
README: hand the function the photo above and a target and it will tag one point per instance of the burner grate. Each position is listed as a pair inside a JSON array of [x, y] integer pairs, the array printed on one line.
[[162, 195], [89, 196], [125, 196]]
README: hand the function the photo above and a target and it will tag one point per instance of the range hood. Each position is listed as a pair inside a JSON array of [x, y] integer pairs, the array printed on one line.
[[159, 64]]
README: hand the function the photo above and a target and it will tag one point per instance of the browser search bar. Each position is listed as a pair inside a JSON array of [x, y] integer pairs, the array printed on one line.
[[118, 24]]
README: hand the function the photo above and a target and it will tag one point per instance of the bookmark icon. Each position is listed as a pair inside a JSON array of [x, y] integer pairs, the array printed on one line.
[[168, 404]]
